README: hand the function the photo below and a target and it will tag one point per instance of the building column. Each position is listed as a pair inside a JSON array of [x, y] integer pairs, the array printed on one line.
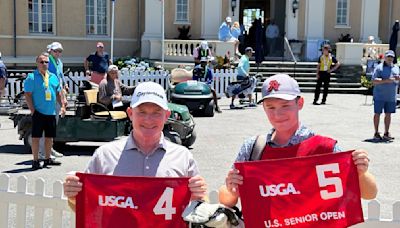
[[314, 28], [151, 38], [370, 20], [291, 21], [210, 19]]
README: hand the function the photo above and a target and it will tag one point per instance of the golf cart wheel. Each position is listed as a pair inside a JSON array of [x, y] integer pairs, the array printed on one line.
[[189, 141], [209, 110], [172, 137], [28, 139], [59, 146]]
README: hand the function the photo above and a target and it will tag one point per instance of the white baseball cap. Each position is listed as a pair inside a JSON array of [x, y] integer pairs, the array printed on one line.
[[228, 19], [390, 53], [112, 67], [149, 92], [280, 86], [55, 46]]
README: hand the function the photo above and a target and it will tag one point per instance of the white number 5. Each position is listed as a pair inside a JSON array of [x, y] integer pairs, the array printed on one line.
[[324, 181], [164, 204]]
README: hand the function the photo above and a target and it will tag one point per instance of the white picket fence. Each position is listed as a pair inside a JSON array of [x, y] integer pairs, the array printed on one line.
[[221, 80], [62, 216]]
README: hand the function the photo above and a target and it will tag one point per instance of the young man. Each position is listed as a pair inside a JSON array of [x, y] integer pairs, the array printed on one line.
[[324, 70], [145, 151], [385, 80], [282, 103], [42, 92], [100, 60]]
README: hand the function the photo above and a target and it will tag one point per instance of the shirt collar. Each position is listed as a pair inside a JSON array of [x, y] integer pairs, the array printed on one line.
[[131, 145], [293, 139]]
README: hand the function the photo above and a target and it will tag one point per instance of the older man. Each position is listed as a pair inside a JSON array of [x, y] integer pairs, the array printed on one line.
[[111, 90], [42, 91], [100, 60], [385, 79], [146, 152]]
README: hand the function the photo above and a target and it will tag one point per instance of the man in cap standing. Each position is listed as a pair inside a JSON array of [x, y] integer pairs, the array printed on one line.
[[282, 103], [385, 80], [100, 60], [145, 151]]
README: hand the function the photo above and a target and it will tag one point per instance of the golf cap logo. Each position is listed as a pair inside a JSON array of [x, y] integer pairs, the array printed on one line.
[[273, 85], [140, 94]]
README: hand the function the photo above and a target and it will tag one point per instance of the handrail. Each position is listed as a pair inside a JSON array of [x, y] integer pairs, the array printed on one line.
[[291, 53]]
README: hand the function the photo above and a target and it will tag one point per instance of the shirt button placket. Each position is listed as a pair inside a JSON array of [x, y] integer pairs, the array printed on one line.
[[146, 166]]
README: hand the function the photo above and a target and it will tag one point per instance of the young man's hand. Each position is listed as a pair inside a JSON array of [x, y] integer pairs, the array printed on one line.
[[233, 180], [198, 188], [361, 160], [72, 186]]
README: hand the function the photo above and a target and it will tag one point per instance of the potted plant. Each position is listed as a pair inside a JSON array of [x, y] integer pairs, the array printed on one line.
[[365, 82]]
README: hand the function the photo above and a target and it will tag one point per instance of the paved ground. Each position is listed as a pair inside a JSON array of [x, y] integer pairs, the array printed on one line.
[[345, 118]]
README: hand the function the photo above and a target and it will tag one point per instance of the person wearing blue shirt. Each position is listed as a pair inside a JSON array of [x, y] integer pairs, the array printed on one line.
[[100, 61], [243, 74], [385, 79], [42, 91], [225, 34]]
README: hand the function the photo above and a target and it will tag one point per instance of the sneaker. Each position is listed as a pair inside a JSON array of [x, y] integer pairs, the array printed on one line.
[[315, 103], [252, 105], [323, 103], [56, 154], [42, 157], [50, 161], [217, 109], [36, 165], [377, 136], [232, 106], [387, 136]]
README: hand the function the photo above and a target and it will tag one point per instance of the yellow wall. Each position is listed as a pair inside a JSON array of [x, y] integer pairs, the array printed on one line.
[[332, 32]]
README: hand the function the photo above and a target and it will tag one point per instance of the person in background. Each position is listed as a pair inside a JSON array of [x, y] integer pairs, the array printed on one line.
[[272, 34], [201, 51], [225, 34], [3, 77], [324, 70], [385, 79], [111, 90], [100, 60], [42, 92]]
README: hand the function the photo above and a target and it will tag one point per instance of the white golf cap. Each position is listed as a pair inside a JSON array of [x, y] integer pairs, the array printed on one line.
[[149, 92], [112, 67], [55, 46], [280, 86], [228, 19]]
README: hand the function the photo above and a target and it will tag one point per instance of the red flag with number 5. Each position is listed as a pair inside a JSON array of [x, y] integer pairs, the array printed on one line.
[[115, 201], [313, 191]]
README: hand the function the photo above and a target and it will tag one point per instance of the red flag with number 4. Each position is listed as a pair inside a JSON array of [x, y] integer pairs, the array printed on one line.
[[114, 201], [313, 191]]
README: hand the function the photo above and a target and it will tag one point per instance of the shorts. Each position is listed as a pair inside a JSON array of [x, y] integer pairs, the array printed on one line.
[[96, 77], [46, 123], [386, 106]]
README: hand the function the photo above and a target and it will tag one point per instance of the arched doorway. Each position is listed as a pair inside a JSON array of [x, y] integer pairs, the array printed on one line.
[[265, 11]]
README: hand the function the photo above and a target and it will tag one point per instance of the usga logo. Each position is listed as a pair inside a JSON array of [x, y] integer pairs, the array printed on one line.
[[278, 189], [116, 201]]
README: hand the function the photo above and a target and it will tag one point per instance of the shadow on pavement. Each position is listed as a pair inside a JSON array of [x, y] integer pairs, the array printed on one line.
[[14, 149], [75, 150], [378, 140]]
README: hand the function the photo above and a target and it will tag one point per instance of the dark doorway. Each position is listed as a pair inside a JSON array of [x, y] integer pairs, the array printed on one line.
[[263, 10]]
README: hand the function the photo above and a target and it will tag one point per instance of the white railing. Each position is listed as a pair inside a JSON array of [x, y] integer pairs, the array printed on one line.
[[375, 50], [182, 50], [62, 216], [221, 80]]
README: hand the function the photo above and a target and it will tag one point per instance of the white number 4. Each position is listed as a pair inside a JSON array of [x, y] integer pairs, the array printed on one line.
[[324, 181], [164, 204]]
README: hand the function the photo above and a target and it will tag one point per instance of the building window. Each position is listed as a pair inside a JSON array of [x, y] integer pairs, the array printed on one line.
[[96, 17], [41, 16], [182, 11], [342, 12]]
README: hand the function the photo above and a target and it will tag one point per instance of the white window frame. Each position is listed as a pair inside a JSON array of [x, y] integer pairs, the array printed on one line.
[[107, 29], [39, 32], [182, 22], [347, 23]]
